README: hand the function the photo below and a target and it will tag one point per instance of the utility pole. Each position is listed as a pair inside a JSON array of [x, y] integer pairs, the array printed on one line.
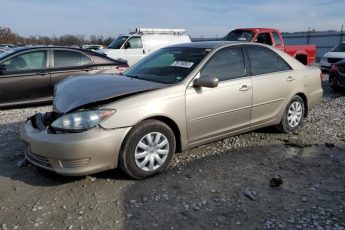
[[308, 35], [341, 33]]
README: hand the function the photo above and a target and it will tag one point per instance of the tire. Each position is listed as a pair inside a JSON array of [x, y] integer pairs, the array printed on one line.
[[293, 116], [139, 157]]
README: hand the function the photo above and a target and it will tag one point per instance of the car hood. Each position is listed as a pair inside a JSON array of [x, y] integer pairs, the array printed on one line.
[[335, 55], [75, 92]]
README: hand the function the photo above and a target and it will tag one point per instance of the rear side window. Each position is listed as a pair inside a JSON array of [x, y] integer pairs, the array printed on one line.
[[66, 58], [27, 61], [276, 39], [264, 60], [226, 64]]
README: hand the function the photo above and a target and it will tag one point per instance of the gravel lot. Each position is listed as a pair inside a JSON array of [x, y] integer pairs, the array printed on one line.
[[222, 185]]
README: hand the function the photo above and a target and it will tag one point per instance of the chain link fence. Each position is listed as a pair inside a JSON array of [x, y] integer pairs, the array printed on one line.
[[324, 41]]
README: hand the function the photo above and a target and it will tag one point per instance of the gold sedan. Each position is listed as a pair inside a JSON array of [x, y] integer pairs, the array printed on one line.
[[177, 98]]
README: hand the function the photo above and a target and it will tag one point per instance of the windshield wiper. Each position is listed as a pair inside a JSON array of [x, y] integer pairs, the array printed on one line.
[[136, 77]]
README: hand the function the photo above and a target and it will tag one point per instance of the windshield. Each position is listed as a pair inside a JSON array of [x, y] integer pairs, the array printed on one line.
[[239, 35], [339, 48], [6, 52], [168, 65], [118, 42]]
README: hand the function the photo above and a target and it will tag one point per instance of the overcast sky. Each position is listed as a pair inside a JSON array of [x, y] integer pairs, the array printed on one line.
[[209, 18]]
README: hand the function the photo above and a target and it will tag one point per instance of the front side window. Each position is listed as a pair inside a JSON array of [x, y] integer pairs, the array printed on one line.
[[264, 60], [168, 65], [27, 61], [264, 38], [277, 39], [66, 58], [134, 43], [225, 64]]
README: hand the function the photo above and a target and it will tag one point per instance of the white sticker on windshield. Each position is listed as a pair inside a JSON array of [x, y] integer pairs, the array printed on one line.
[[183, 64]]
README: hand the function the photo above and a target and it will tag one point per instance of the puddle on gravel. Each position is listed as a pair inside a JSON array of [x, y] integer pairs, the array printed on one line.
[[306, 152]]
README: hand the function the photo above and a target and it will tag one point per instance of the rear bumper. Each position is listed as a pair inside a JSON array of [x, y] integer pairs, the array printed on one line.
[[314, 98], [73, 154]]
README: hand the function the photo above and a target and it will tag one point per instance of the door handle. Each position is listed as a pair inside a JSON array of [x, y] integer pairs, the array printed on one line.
[[290, 78], [87, 69], [42, 73], [245, 88]]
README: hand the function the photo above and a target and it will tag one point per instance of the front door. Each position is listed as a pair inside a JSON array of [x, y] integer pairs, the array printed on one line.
[[134, 50], [215, 112], [25, 78]]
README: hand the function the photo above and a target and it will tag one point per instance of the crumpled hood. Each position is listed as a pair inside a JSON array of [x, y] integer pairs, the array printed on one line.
[[82, 90]]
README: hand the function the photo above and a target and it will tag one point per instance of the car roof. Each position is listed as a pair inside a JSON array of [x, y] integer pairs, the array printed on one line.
[[207, 44], [257, 30], [21, 48], [14, 51]]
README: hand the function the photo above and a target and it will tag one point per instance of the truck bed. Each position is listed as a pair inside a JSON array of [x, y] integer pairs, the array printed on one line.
[[309, 50]]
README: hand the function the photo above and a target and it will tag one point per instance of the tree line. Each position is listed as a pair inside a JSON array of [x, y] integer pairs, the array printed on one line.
[[7, 36]]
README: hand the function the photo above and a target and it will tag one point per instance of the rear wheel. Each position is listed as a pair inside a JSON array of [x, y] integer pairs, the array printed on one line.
[[293, 116], [148, 149]]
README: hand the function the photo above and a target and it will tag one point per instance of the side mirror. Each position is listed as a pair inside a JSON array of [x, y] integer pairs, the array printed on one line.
[[127, 45], [206, 81]]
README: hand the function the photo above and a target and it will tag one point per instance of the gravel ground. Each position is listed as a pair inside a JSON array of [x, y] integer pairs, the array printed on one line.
[[222, 185]]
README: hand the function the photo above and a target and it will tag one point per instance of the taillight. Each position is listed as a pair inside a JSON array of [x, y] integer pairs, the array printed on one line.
[[122, 68]]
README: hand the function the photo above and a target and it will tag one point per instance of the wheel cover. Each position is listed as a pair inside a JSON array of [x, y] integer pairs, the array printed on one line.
[[295, 113], [151, 151]]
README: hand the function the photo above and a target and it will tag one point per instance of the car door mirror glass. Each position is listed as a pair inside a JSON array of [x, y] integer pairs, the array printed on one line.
[[206, 81]]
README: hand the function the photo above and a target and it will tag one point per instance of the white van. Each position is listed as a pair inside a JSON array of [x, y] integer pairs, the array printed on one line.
[[141, 42]]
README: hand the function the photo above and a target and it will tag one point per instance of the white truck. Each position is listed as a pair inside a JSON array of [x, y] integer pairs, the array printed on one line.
[[138, 44]]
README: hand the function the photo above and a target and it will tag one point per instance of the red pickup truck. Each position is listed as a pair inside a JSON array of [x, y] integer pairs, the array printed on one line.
[[304, 53]]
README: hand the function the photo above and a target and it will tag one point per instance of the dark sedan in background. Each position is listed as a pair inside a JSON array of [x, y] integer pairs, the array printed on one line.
[[3, 49], [28, 74], [337, 76]]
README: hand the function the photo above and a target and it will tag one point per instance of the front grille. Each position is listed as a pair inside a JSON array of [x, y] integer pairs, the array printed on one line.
[[341, 70], [334, 60], [37, 159], [341, 81], [74, 163]]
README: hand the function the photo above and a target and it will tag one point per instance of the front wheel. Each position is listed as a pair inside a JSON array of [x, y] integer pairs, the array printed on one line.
[[293, 116], [148, 149]]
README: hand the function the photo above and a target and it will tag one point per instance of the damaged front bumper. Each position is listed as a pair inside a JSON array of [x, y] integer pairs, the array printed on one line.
[[73, 154]]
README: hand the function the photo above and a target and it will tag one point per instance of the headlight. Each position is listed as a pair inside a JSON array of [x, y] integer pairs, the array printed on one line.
[[83, 120]]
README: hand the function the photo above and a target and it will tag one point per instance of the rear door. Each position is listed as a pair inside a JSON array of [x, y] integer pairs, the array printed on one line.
[[25, 77], [65, 63], [273, 83], [134, 50], [215, 112]]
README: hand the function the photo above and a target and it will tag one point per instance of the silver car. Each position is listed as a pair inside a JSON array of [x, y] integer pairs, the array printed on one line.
[[177, 98]]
